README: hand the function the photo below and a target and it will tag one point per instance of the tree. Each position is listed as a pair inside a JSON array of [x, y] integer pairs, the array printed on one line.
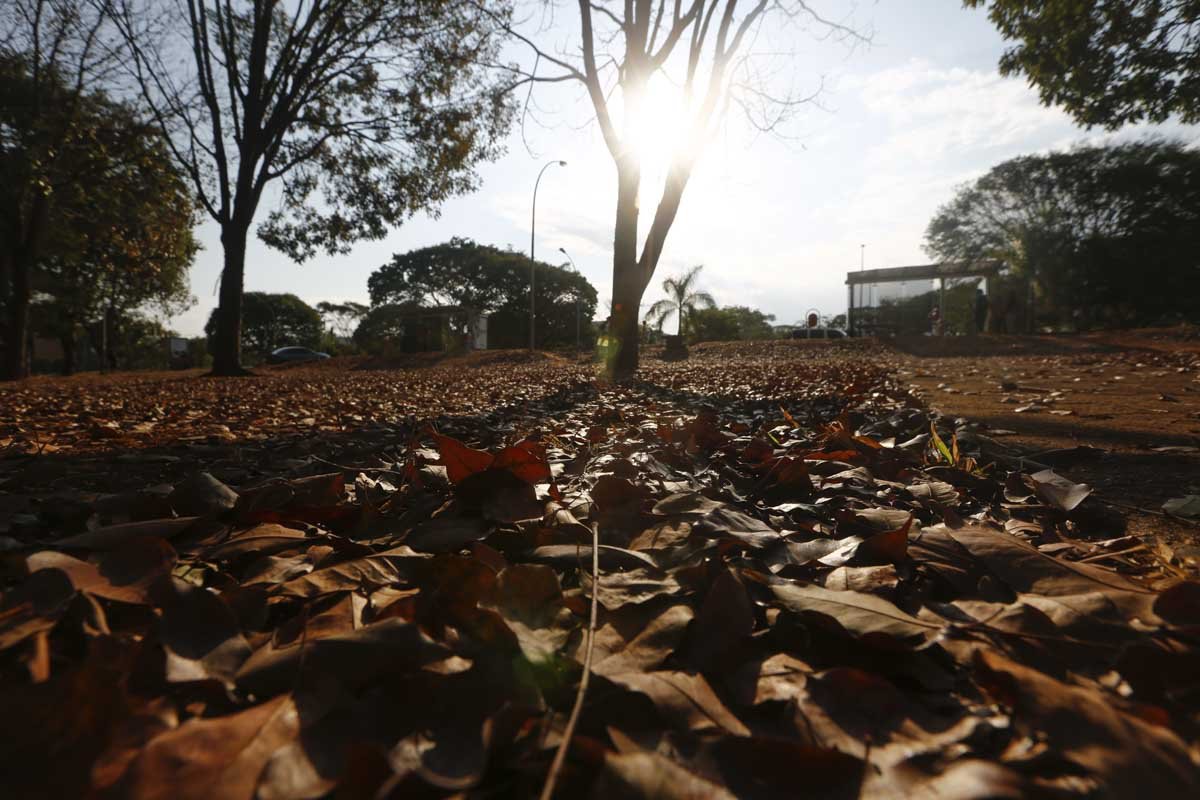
[[382, 329], [681, 300], [56, 134], [1105, 234], [492, 281], [752, 323], [713, 325], [1107, 62], [717, 53], [360, 112], [271, 321], [342, 318], [124, 242], [731, 323]]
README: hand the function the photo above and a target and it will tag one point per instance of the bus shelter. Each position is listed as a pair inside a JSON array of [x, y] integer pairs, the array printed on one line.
[[953, 297]]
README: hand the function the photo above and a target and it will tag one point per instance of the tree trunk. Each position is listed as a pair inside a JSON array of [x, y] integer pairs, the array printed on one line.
[[227, 349], [16, 335], [67, 340], [628, 281]]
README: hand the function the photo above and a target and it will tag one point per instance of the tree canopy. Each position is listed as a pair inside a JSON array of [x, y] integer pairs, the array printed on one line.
[[1107, 62], [1106, 234], [123, 242], [59, 135], [271, 321], [360, 112], [683, 298], [342, 318], [489, 280], [730, 323]]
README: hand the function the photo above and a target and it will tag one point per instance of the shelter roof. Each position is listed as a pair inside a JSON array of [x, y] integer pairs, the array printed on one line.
[[921, 272]]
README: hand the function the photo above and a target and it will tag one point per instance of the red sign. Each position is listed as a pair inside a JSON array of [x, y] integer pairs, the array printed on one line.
[[813, 320]]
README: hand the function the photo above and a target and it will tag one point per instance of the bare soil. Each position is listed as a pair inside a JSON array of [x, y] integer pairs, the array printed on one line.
[[1119, 411]]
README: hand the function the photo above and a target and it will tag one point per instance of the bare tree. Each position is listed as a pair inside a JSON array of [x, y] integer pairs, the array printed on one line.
[[376, 107], [712, 51], [55, 57]]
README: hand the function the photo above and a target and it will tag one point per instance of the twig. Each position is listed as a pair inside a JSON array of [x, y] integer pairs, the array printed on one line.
[[561, 755], [1153, 511], [1102, 556], [345, 468]]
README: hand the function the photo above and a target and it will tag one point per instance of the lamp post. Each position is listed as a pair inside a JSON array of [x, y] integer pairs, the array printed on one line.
[[575, 269], [532, 259]]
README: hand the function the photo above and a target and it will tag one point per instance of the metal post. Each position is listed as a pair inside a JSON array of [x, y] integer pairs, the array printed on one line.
[[575, 269], [850, 310], [941, 331], [532, 257]]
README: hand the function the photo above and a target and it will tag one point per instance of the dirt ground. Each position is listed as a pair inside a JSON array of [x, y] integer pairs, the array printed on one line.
[[1119, 411]]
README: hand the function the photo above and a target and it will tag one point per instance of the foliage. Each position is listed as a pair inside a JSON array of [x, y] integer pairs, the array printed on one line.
[[59, 137], [1107, 62], [361, 113], [120, 240], [1107, 234], [341, 318], [730, 323], [683, 298], [139, 342], [463, 274], [122, 243], [382, 328], [272, 321]]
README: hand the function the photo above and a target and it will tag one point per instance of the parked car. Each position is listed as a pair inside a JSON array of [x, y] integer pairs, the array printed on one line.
[[818, 333], [293, 355]]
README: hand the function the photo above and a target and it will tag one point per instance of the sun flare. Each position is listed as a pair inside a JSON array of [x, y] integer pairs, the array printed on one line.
[[659, 128]]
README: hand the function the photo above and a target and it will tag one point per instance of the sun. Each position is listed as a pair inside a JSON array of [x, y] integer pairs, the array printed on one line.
[[659, 128]]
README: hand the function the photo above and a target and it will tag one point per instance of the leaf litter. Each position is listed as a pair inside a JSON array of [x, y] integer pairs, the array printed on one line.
[[809, 585]]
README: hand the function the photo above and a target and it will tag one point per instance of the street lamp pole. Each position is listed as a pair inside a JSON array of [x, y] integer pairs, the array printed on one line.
[[532, 259], [578, 340]]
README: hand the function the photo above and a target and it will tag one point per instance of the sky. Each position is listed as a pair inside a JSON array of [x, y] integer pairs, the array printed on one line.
[[776, 220]]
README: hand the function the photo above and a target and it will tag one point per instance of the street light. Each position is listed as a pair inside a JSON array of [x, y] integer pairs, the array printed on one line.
[[532, 259], [578, 346]]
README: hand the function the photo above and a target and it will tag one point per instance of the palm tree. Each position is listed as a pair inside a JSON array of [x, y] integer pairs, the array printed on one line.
[[681, 299]]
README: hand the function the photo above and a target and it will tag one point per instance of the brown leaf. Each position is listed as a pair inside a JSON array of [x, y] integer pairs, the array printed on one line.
[[652, 776], [862, 615], [461, 461], [1180, 604], [643, 650], [526, 460], [682, 700], [390, 647], [1027, 570], [200, 634], [123, 575], [206, 758], [1058, 492], [1130, 756], [725, 621], [114, 536]]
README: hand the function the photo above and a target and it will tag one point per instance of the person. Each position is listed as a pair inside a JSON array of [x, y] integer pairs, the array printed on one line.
[[981, 310], [935, 321]]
